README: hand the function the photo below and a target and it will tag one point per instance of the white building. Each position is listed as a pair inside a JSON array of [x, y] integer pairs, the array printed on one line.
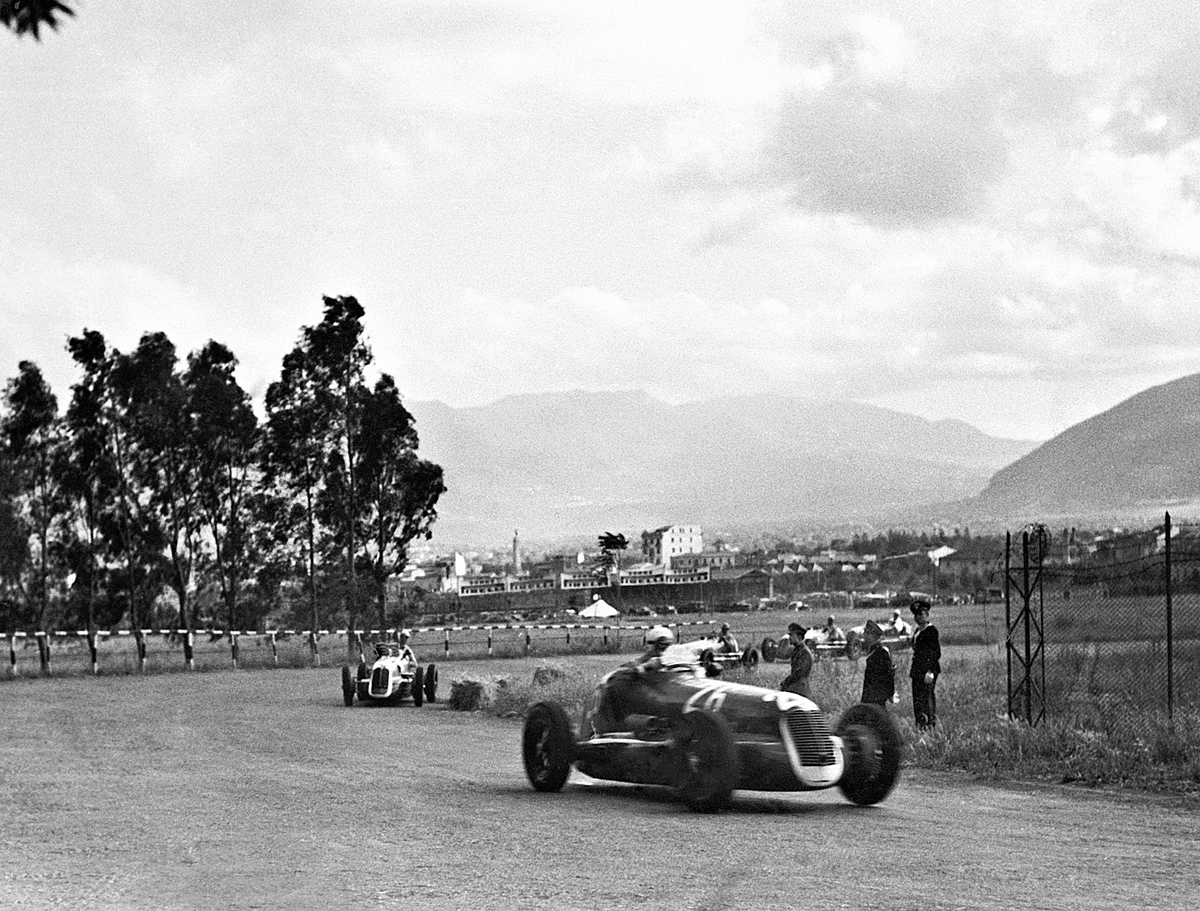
[[660, 545]]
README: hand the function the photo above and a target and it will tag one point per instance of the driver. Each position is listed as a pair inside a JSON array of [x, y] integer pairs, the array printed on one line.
[[832, 632], [629, 690], [898, 624], [726, 643], [406, 652]]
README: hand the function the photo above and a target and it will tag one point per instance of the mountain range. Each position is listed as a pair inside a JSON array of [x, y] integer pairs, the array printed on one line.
[[1136, 459], [561, 465]]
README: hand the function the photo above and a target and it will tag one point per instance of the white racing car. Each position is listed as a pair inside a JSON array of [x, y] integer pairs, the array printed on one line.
[[394, 677]]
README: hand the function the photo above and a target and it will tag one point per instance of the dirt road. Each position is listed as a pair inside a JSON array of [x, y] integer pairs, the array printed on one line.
[[259, 790]]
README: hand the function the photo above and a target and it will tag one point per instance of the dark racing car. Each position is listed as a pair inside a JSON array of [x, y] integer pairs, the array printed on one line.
[[704, 738]]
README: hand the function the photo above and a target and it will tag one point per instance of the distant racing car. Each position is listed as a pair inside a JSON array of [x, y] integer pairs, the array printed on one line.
[[394, 677], [704, 738]]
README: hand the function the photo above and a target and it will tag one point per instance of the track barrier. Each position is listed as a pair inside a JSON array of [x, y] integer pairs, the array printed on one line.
[[61, 647]]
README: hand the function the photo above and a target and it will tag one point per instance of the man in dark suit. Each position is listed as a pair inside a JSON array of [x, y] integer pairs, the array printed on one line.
[[926, 666], [879, 678], [802, 663]]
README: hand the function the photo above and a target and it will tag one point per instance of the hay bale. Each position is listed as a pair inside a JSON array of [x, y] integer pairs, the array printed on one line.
[[472, 694], [466, 695], [547, 673]]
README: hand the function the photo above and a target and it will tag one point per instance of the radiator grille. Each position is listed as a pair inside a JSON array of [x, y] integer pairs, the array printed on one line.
[[810, 735], [379, 680]]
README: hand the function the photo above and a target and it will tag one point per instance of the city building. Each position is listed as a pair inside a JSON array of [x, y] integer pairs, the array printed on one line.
[[663, 545]]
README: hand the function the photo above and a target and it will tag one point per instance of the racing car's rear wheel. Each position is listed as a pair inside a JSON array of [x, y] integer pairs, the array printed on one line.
[[347, 686], [431, 678], [872, 745], [750, 658], [769, 650], [418, 687], [853, 647], [706, 762], [548, 746]]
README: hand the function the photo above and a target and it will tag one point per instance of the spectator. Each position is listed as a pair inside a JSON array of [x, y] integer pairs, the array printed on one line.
[[802, 662], [725, 641], [879, 678], [926, 666]]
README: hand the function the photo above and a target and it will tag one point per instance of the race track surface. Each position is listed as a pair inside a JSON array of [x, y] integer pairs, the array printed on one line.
[[260, 790]]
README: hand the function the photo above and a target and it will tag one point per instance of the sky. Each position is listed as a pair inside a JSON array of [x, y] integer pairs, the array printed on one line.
[[975, 210]]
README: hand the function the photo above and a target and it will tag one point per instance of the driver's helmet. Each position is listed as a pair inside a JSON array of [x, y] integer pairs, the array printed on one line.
[[829, 622], [660, 637], [405, 635]]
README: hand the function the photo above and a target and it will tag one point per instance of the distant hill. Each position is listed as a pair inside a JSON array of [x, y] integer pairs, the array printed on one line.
[[1139, 457], [577, 463]]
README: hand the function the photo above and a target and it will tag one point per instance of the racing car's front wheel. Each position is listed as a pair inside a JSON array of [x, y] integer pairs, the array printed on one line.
[[347, 686], [418, 687], [750, 658], [548, 746], [872, 744], [854, 647], [706, 762]]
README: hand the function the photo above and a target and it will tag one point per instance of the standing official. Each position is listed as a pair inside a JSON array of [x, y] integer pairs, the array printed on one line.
[[926, 666], [879, 678], [802, 663]]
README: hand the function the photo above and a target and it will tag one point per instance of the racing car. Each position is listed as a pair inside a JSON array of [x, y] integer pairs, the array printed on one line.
[[679, 728], [715, 659], [851, 647], [394, 677]]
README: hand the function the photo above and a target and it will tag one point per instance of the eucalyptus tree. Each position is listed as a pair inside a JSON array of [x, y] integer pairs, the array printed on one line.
[[399, 490], [32, 431], [149, 387], [14, 546], [223, 437], [292, 454], [85, 466], [29, 16], [339, 356]]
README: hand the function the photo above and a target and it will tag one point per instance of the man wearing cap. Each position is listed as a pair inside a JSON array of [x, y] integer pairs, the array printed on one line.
[[726, 643], [879, 678], [926, 666], [406, 652], [802, 662]]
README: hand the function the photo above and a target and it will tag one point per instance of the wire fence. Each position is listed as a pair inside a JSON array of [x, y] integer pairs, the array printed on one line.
[[1120, 627]]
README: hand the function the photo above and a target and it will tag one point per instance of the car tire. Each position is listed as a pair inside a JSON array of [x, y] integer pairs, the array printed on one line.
[[547, 746], [853, 647], [750, 659], [872, 747], [769, 650], [706, 762], [431, 682], [348, 686], [418, 687], [363, 681]]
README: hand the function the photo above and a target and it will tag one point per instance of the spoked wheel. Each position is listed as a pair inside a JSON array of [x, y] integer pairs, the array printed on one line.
[[769, 650], [708, 661], [418, 687], [872, 743], [347, 686], [750, 658], [706, 762], [431, 680], [547, 746]]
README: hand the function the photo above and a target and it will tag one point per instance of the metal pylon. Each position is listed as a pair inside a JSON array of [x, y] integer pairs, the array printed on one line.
[[1025, 643]]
